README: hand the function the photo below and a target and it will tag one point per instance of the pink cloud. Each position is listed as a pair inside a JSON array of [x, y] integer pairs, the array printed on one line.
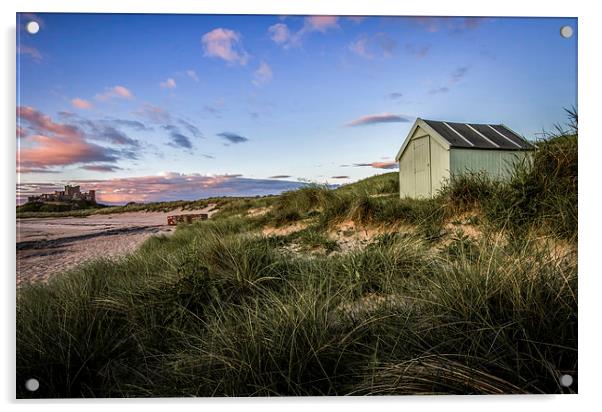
[[60, 151], [378, 118], [168, 84], [321, 23], [115, 92], [181, 186], [377, 45], [55, 144], [262, 75], [225, 44], [279, 33], [81, 103], [44, 124], [30, 52], [379, 165], [283, 36], [154, 113]]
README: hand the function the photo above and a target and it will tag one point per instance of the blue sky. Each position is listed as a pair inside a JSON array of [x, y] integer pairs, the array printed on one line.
[[161, 107]]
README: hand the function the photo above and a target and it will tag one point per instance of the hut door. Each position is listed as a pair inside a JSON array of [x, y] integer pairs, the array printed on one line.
[[422, 167]]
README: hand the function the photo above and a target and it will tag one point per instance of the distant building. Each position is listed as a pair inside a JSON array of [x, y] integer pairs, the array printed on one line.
[[70, 193], [434, 151]]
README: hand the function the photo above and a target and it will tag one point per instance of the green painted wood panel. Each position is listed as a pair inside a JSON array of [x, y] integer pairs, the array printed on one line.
[[497, 163]]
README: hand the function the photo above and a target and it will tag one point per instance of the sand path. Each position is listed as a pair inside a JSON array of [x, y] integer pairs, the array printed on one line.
[[47, 246]]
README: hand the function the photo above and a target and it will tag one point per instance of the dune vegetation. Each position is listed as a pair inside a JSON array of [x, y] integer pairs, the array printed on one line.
[[321, 291]]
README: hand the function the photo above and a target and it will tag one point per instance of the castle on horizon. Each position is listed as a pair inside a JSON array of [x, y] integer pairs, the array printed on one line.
[[70, 193]]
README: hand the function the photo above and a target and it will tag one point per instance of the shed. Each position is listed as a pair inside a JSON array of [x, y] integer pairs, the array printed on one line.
[[434, 151]]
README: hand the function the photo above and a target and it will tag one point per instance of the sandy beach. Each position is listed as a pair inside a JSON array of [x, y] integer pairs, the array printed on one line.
[[48, 246]]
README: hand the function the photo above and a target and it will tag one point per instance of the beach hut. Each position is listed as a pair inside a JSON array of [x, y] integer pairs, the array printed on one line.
[[434, 151]]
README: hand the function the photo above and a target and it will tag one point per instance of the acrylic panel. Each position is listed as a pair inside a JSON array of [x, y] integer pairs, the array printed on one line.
[[264, 205]]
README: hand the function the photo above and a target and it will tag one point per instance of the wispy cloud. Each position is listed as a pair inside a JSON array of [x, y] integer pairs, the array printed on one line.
[[416, 50], [134, 124], [31, 52], [378, 118], [153, 113], [451, 24], [115, 92], [262, 75], [282, 35], [101, 168], [233, 137], [379, 165], [192, 74], [81, 103], [177, 139], [370, 47], [458, 74], [173, 186], [225, 44], [439, 90], [191, 128], [455, 77], [169, 83], [320, 23]]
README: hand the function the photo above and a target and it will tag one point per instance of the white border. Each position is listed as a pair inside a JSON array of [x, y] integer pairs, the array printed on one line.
[[590, 233]]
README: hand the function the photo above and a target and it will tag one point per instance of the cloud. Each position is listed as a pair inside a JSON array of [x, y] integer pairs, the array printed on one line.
[[177, 138], [418, 51], [192, 74], [281, 34], [455, 77], [439, 90], [262, 75], [395, 96], [280, 177], [51, 144], [225, 44], [339, 177], [168, 84], [106, 129], [134, 124], [370, 47], [191, 128], [176, 186], [81, 103], [452, 24], [101, 168], [154, 113], [378, 118], [458, 74], [42, 123], [320, 23], [31, 52], [115, 92], [62, 151], [379, 165], [233, 137]]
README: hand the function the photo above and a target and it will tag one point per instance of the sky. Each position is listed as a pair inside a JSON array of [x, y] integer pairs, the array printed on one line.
[[165, 107]]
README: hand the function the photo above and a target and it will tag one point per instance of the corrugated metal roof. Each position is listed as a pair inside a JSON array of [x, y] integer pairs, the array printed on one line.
[[479, 136]]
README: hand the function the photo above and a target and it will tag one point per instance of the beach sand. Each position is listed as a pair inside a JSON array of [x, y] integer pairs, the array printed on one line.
[[48, 246]]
